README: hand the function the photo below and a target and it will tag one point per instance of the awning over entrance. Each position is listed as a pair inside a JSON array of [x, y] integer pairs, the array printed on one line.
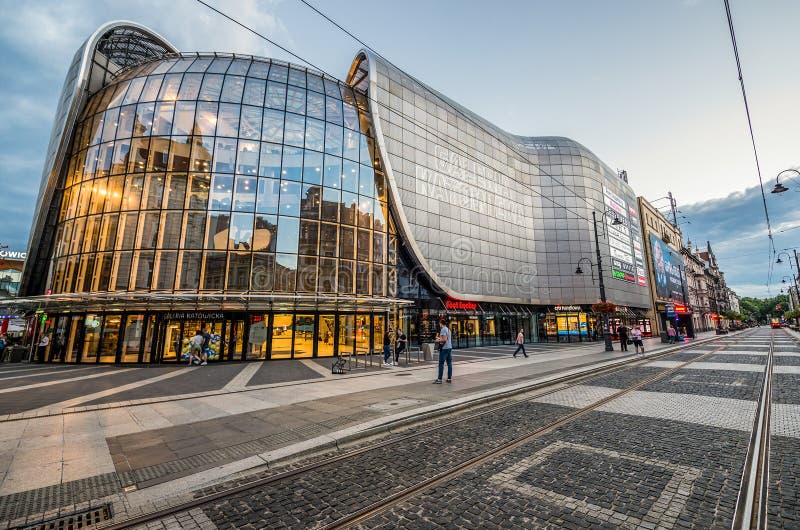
[[133, 301]]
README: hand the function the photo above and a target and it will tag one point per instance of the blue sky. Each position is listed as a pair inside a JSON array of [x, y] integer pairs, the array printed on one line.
[[650, 87]]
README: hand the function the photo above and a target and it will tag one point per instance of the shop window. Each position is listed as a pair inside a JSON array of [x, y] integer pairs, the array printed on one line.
[[326, 335], [257, 339], [281, 336], [132, 338], [91, 337], [303, 336]]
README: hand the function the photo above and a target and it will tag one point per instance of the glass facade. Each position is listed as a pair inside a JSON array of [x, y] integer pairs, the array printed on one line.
[[203, 173], [291, 215]]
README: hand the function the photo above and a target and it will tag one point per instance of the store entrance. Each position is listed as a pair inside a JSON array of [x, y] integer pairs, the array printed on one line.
[[174, 337]]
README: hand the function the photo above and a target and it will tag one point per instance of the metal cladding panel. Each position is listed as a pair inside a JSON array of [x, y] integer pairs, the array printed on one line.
[[493, 216]]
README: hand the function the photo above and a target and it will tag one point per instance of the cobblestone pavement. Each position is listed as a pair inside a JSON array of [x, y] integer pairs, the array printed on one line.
[[784, 495], [669, 454]]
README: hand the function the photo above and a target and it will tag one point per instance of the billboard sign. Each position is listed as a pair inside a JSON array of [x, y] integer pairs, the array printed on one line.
[[667, 271]]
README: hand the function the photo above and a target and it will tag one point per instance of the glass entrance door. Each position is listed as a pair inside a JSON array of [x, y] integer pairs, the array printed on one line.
[[326, 336]]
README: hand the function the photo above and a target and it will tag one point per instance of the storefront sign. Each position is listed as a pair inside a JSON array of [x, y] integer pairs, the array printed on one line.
[[567, 308], [669, 310], [681, 309], [194, 315], [460, 304], [13, 254]]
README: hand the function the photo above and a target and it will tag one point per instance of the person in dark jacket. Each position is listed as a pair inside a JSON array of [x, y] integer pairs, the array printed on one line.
[[622, 331]]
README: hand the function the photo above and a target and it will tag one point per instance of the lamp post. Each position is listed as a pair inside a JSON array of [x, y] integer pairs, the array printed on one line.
[[616, 221], [779, 187]]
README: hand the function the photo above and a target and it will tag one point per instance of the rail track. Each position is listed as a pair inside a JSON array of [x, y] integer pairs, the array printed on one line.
[[751, 505]]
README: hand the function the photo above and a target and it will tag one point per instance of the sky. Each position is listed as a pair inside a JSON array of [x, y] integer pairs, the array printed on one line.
[[650, 87]]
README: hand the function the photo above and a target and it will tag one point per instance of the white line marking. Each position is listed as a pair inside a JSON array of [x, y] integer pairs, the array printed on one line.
[[241, 379], [110, 392], [50, 383], [317, 368]]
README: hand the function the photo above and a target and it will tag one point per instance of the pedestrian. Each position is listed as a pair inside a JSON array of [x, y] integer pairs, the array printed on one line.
[[636, 337], [41, 350], [671, 334], [387, 348], [205, 348], [520, 345], [195, 347], [622, 331], [58, 349], [2, 347], [445, 340], [400, 346]]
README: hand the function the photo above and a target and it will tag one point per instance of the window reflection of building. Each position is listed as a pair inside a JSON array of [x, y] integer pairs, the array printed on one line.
[[153, 182]]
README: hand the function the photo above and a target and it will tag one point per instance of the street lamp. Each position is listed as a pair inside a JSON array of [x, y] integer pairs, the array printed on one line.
[[780, 188], [615, 221]]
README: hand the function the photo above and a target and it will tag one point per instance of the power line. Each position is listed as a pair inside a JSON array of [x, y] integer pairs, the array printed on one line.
[[752, 136], [520, 156], [464, 152]]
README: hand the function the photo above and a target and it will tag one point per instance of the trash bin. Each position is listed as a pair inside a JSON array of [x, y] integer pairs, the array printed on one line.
[[427, 350]]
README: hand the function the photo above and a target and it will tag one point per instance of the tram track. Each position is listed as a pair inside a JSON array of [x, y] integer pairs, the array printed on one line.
[[385, 503], [752, 505]]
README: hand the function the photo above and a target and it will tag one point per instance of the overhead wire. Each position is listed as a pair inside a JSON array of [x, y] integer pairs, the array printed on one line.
[[520, 156], [423, 127], [752, 135]]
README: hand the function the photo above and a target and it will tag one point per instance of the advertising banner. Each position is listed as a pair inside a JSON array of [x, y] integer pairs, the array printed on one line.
[[667, 270]]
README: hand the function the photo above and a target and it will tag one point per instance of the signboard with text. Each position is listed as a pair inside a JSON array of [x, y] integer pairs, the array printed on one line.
[[624, 241]]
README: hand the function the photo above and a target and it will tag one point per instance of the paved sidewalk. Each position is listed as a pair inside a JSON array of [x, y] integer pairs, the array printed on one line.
[[151, 430]]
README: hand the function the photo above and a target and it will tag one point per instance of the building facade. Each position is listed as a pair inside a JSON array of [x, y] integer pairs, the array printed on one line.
[[295, 215], [669, 289]]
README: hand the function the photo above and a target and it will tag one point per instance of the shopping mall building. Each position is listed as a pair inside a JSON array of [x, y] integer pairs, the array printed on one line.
[[296, 215]]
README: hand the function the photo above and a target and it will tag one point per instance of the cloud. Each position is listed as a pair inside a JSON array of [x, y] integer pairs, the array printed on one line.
[[736, 227]]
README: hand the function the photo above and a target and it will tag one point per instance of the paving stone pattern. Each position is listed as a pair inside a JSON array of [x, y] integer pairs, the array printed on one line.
[[787, 360], [611, 472], [784, 491], [341, 488], [786, 388], [733, 385], [742, 357]]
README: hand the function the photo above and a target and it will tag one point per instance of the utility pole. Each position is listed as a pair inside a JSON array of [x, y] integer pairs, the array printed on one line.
[[672, 207]]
